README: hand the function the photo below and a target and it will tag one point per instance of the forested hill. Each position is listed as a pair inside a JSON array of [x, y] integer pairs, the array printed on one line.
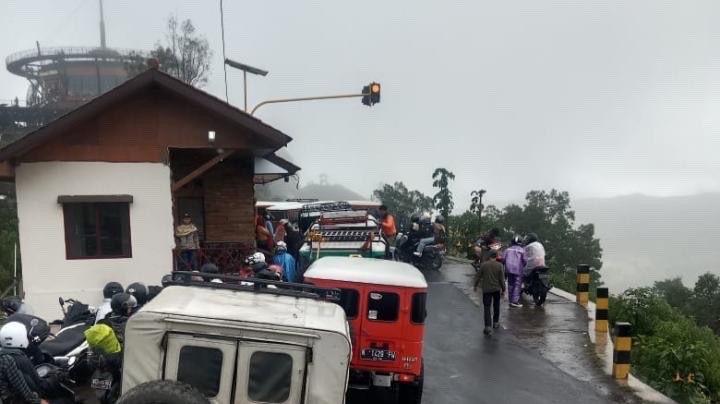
[[281, 191], [646, 239]]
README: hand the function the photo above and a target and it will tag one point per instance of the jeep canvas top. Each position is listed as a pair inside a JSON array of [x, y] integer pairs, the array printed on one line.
[[240, 345]]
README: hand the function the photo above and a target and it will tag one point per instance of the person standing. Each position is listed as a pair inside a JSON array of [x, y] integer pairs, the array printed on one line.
[[491, 280], [187, 236], [514, 265], [293, 239], [263, 237], [286, 261], [19, 382], [389, 230]]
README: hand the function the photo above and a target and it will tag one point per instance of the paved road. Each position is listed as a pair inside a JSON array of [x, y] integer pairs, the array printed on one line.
[[539, 356]]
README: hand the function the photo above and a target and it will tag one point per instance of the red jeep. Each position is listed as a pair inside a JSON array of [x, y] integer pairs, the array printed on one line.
[[384, 302]]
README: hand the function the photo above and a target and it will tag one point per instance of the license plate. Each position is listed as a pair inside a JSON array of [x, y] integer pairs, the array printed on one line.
[[377, 354], [101, 384]]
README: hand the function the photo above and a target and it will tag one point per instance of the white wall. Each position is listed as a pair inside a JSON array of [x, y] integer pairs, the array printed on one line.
[[47, 274]]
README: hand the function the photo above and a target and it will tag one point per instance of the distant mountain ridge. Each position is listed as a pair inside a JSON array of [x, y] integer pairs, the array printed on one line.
[[647, 238]]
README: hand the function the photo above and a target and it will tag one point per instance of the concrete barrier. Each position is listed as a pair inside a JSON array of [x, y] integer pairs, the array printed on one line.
[[601, 310], [583, 284]]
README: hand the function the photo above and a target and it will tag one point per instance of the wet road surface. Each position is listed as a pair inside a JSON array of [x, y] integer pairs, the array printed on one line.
[[538, 356]]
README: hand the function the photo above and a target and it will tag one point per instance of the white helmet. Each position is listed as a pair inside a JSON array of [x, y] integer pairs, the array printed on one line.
[[281, 246], [14, 335]]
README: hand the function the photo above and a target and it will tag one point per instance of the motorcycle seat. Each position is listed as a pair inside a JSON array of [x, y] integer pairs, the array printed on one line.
[[65, 341]]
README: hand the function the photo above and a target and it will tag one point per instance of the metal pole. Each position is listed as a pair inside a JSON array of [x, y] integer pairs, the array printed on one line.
[[325, 97], [245, 87], [15, 270]]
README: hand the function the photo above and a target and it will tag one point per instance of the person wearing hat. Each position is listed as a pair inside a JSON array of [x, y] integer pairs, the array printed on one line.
[[187, 237]]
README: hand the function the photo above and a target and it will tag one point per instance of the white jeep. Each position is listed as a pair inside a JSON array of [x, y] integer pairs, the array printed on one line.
[[224, 343]]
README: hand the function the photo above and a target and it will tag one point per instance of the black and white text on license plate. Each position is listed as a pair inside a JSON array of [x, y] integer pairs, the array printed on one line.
[[377, 354], [101, 384]]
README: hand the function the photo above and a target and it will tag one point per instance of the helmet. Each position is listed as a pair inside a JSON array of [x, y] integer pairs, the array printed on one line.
[[414, 218], [531, 238], [209, 268], [11, 305], [281, 246], [439, 219], [516, 240], [14, 335], [256, 261], [140, 291], [122, 303], [111, 289]]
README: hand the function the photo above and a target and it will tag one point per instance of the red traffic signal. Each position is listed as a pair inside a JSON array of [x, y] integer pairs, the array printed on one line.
[[371, 94]]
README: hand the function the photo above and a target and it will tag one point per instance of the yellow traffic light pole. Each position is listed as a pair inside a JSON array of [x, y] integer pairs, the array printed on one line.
[[324, 97]]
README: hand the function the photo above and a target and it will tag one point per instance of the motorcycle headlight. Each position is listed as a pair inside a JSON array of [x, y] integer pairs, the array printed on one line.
[[43, 370]]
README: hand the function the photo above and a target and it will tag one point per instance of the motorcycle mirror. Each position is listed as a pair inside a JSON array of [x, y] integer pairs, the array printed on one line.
[[61, 301], [71, 361]]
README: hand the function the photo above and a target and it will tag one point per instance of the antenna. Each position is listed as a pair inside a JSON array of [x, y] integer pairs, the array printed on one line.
[[102, 26]]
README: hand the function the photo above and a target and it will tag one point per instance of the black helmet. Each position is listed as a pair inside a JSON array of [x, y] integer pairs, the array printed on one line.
[[11, 305], [494, 232], [140, 291], [516, 240], [209, 268], [111, 289], [439, 219], [123, 303], [531, 238], [414, 218]]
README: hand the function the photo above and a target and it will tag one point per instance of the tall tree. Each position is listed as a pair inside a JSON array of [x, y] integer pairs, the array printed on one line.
[[443, 199], [476, 205], [185, 54]]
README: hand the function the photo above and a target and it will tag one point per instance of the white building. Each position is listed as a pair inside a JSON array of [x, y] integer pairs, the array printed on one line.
[[100, 189]]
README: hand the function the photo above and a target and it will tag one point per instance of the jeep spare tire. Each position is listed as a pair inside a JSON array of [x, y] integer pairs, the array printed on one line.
[[163, 392]]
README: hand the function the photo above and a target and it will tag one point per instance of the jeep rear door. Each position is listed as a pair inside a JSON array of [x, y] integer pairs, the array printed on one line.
[[270, 373], [206, 363]]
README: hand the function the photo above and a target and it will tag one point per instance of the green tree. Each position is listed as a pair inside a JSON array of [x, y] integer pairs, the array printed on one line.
[[443, 199], [706, 301], [674, 292], [403, 202], [476, 205], [8, 234]]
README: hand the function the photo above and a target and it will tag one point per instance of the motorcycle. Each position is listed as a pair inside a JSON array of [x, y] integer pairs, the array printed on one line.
[[69, 343], [431, 258], [481, 250], [105, 380], [61, 388], [537, 284]]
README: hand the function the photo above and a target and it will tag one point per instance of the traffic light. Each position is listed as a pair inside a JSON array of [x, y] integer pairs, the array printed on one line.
[[371, 94]]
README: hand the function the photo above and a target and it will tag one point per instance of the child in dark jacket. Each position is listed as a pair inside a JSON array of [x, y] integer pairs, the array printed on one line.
[[491, 280]]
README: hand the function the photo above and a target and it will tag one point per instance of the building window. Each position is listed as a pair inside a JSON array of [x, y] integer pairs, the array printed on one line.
[[97, 230], [383, 306], [201, 368], [270, 378]]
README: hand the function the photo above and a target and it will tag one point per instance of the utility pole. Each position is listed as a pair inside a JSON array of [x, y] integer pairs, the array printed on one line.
[[102, 26]]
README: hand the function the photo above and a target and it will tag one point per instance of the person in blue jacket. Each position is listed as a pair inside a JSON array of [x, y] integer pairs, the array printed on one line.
[[286, 261]]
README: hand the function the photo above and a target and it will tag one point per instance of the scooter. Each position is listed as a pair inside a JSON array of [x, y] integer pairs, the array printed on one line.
[[482, 251], [70, 341], [105, 380], [537, 284], [61, 390], [431, 258]]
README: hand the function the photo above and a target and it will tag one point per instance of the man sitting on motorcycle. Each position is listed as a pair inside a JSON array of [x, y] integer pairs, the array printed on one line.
[[485, 243], [534, 253], [427, 233], [19, 383]]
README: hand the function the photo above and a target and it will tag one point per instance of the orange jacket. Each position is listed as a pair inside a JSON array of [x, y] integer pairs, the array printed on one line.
[[388, 226]]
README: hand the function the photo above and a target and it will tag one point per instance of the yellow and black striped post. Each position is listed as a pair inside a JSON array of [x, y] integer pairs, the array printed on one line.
[[621, 353], [583, 284], [601, 310]]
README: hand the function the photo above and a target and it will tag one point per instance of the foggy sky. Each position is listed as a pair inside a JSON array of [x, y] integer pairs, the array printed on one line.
[[597, 97]]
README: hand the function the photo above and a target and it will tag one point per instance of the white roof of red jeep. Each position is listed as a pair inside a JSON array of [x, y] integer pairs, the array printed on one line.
[[367, 270]]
